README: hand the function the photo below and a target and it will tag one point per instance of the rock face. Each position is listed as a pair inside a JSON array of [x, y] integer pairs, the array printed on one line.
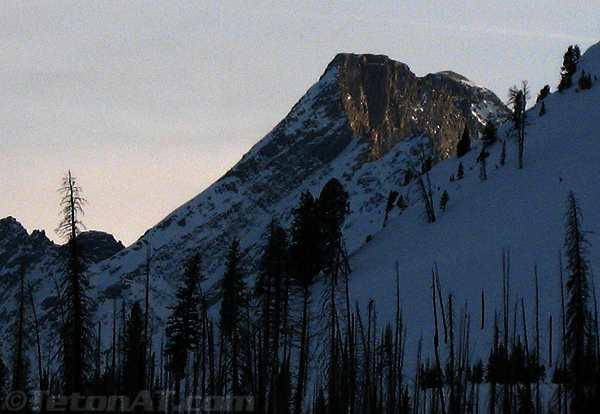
[[385, 103]]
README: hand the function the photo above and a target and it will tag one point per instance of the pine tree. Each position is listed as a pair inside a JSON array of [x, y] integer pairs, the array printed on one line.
[[134, 363], [481, 159], [444, 200], [306, 259], [518, 99], [569, 67], [579, 341], [76, 330], [460, 173], [585, 81], [543, 94], [490, 134], [543, 110], [183, 325], [333, 208], [272, 291], [234, 305], [464, 144]]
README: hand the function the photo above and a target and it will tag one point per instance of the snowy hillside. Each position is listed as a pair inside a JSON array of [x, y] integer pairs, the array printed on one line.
[[373, 125], [323, 136], [519, 211]]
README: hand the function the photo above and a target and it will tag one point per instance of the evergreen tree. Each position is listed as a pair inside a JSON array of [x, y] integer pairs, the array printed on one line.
[[307, 259], [481, 159], [518, 99], [444, 200], [569, 67], [490, 134], [134, 352], [579, 342], [234, 305], [543, 94], [22, 339], [464, 143], [183, 325], [272, 291], [460, 173], [543, 110], [333, 208], [76, 329], [585, 81]]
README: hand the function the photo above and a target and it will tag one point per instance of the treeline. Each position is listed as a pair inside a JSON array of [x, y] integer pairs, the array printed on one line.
[[295, 341]]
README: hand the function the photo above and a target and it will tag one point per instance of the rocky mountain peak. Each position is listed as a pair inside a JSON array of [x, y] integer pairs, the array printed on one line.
[[385, 103]]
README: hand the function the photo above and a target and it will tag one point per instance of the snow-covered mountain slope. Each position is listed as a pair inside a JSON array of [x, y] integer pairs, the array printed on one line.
[[362, 123], [357, 123], [40, 261], [519, 211]]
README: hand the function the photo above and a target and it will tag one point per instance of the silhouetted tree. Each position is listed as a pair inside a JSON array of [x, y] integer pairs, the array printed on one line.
[[234, 305], [518, 99], [307, 259], [272, 290], [490, 134], [444, 200], [569, 67], [580, 341], [76, 329], [134, 361], [543, 94], [183, 325]]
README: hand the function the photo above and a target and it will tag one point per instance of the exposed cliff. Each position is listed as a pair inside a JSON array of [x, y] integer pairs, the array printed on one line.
[[385, 102]]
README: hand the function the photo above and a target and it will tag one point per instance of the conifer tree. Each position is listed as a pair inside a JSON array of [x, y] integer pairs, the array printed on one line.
[[518, 99], [272, 291], [183, 325], [579, 342], [543, 94], [234, 305], [460, 173], [389, 206], [306, 259], [134, 361], [76, 330], [481, 159], [569, 67], [490, 134], [444, 200], [333, 208]]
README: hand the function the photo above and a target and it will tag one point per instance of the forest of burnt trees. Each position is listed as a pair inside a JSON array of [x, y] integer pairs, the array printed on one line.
[[296, 342]]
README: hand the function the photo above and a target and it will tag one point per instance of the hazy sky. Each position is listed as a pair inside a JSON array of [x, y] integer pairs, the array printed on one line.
[[149, 102]]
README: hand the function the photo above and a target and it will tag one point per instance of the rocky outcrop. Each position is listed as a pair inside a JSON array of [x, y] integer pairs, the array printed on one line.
[[385, 103]]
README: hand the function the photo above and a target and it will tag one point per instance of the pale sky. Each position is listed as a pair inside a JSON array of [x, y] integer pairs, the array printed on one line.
[[149, 102]]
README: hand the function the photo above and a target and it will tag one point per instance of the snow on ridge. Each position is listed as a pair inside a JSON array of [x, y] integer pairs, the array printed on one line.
[[517, 210]]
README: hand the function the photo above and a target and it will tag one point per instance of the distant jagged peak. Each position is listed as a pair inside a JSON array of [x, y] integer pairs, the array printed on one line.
[[11, 228]]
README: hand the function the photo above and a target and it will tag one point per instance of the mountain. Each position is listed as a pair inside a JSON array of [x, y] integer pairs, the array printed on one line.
[[357, 123], [367, 121], [41, 261]]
